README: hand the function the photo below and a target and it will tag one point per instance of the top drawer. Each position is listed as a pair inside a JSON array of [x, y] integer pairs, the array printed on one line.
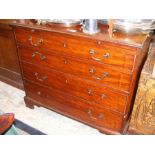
[[73, 46]]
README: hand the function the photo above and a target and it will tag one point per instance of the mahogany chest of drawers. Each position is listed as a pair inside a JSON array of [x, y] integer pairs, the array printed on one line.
[[91, 79]]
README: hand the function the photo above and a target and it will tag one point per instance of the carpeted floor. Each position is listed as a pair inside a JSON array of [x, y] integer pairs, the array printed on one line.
[[41, 119]]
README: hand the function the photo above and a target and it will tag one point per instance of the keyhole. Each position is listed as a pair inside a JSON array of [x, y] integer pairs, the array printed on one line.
[[99, 42], [66, 81], [65, 61], [64, 45], [32, 30]]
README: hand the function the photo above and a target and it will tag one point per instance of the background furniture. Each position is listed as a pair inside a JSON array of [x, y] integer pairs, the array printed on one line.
[[143, 114], [9, 64], [10, 130]]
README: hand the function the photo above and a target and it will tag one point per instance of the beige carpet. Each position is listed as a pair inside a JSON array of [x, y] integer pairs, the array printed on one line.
[[49, 122]]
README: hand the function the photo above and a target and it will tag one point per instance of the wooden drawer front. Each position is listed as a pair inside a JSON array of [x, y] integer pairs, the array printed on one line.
[[102, 74], [76, 47], [74, 107], [97, 94]]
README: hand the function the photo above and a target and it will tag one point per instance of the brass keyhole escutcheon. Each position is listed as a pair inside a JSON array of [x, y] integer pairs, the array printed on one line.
[[32, 30], [65, 61], [64, 45], [66, 81], [99, 42]]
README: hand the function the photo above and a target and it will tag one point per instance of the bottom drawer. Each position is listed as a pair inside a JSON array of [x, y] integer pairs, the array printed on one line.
[[75, 108]]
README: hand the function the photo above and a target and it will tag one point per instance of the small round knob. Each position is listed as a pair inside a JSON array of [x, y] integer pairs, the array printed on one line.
[[38, 93]]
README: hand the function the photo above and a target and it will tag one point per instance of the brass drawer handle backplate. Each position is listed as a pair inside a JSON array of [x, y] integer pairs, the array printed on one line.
[[42, 57], [104, 56], [40, 79], [40, 40], [99, 117], [104, 75]]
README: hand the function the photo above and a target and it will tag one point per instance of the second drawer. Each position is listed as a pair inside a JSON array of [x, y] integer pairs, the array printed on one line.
[[100, 73]]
